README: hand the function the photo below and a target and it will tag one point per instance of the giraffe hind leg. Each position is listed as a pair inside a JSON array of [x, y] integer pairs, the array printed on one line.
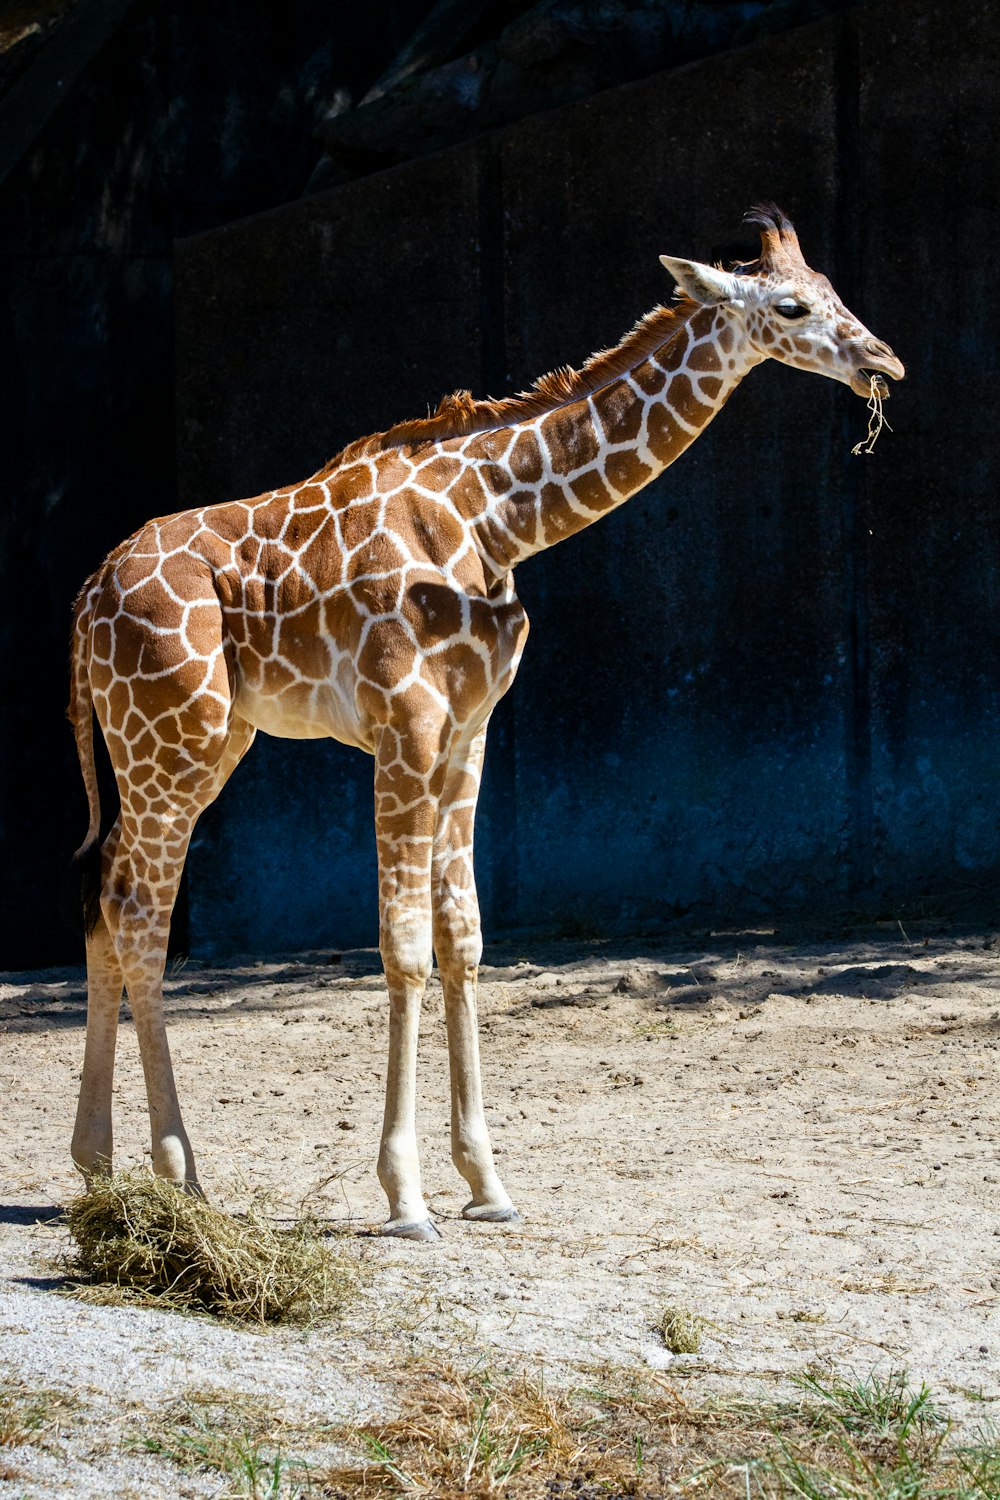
[[137, 902], [168, 720], [93, 1142]]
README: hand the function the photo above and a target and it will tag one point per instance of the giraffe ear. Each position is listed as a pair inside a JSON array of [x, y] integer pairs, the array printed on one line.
[[703, 283]]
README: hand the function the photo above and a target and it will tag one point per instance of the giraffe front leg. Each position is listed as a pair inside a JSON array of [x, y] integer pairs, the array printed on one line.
[[404, 833], [405, 944], [471, 1148], [459, 945]]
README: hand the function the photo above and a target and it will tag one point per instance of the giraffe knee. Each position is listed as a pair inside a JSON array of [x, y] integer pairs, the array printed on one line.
[[458, 937], [407, 946]]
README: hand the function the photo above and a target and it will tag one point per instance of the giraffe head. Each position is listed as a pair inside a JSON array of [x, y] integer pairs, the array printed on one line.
[[788, 311]]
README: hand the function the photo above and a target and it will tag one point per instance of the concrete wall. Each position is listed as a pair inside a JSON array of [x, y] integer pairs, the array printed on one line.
[[157, 118], [768, 684], [927, 197]]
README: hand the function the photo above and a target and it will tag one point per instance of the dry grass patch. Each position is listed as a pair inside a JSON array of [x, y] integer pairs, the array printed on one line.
[[232, 1434], [878, 1439], [28, 1415], [140, 1239], [469, 1434]]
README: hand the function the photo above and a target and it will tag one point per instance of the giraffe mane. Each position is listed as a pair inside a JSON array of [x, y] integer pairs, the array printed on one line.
[[460, 414]]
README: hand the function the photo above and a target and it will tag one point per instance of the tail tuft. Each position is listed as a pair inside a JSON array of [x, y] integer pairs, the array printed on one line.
[[87, 866], [83, 889], [85, 869]]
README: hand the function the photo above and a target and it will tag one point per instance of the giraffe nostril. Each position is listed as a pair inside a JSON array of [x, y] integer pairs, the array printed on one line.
[[888, 362]]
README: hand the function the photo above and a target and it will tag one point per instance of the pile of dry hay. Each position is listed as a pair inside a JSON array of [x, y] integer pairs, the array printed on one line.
[[150, 1242]]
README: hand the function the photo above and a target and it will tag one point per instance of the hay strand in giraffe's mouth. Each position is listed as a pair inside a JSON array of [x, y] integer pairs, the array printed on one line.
[[878, 392]]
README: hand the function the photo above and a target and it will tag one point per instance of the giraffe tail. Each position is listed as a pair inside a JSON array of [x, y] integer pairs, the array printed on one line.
[[85, 866]]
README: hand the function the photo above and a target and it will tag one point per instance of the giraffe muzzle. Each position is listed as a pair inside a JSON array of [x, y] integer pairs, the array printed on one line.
[[876, 360]]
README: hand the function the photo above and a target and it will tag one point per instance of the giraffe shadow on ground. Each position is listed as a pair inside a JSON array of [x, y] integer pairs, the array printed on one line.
[[56, 999], [671, 975], [887, 981], [26, 1215], [33, 1008]]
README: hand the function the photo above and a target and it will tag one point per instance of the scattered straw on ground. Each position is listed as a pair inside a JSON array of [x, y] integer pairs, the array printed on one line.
[[139, 1238], [876, 417], [228, 1433], [480, 1436], [469, 1434], [27, 1414]]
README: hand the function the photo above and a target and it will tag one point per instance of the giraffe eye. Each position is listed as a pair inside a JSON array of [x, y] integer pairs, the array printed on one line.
[[792, 310]]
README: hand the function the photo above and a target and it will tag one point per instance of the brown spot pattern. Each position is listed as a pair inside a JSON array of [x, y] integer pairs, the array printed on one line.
[[372, 603]]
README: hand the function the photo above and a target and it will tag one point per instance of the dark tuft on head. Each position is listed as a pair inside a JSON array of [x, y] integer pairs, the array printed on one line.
[[768, 216], [779, 244]]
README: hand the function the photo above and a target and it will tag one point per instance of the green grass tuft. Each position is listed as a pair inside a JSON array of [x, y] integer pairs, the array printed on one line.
[[231, 1435]]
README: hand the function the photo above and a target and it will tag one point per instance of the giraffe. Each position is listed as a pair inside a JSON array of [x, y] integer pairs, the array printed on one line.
[[375, 603]]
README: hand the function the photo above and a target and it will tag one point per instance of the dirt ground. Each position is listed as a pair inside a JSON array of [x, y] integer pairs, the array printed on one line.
[[795, 1139]]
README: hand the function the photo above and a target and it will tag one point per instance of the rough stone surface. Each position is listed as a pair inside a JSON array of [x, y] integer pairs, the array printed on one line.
[[681, 705], [549, 53]]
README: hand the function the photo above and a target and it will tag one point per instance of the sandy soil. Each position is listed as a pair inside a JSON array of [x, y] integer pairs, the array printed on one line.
[[797, 1140]]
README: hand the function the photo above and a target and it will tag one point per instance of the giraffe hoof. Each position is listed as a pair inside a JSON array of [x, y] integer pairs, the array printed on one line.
[[189, 1186], [484, 1214], [420, 1229], [96, 1173]]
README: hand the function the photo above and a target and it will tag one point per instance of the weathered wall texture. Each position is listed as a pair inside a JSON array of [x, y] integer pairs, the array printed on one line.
[[188, 115], [927, 200], [769, 684]]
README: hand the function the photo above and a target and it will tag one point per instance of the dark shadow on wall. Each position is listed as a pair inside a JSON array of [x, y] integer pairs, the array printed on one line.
[[769, 685], [185, 116]]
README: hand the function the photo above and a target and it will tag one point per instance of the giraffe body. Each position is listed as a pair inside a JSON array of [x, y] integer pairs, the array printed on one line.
[[375, 604]]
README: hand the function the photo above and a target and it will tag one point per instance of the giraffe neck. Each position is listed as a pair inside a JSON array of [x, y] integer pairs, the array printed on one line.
[[551, 475]]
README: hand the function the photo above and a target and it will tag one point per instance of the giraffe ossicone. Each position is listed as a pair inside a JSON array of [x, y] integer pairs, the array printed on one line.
[[374, 603]]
